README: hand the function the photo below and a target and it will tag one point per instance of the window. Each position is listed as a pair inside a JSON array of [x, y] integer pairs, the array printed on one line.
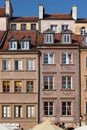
[[18, 65], [54, 28], [13, 45], [49, 38], [66, 108], [66, 82], [6, 65], [6, 86], [18, 111], [30, 65], [29, 86], [48, 108], [66, 58], [85, 40], [18, 86], [5, 111], [48, 58], [23, 26], [64, 27], [48, 82], [30, 111], [83, 31], [13, 26], [33, 26], [66, 38], [25, 45]]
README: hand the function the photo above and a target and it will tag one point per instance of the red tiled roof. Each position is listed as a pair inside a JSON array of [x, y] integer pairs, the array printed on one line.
[[18, 35], [2, 12], [24, 19], [58, 16], [1, 35], [83, 20]]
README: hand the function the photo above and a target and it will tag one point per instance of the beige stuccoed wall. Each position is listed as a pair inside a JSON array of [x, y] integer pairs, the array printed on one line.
[[28, 25], [45, 24], [3, 24]]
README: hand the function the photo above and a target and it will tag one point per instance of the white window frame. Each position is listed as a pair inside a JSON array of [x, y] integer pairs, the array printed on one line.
[[48, 82], [25, 45], [18, 111], [54, 28], [18, 64], [30, 112], [13, 45], [66, 38], [6, 65], [67, 108], [49, 38], [68, 58], [48, 58], [30, 64], [83, 31], [48, 110], [5, 111], [66, 85]]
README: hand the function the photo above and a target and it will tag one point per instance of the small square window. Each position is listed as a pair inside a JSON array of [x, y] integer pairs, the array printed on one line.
[[13, 26], [33, 26], [23, 26]]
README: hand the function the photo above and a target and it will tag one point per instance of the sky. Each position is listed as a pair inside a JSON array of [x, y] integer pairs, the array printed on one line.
[[30, 7]]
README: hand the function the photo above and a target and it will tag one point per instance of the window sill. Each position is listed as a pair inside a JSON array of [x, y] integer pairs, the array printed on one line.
[[49, 64], [48, 89], [67, 64]]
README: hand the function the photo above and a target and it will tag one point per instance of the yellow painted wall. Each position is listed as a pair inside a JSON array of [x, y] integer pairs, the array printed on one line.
[[78, 26]]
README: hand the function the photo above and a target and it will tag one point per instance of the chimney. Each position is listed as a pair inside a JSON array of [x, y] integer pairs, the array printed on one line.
[[74, 12], [8, 8], [41, 11]]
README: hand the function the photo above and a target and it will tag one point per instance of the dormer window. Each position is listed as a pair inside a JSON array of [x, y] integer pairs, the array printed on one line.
[[66, 36], [83, 31], [13, 44], [49, 36], [64, 27], [85, 40], [54, 28], [25, 45]]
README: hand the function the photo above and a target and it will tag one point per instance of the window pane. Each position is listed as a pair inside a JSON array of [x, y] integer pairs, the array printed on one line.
[[23, 26], [18, 111], [5, 111], [18, 65], [6, 65], [30, 65], [33, 26], [48, 108], [18, 86], [29, 86], [6, 86], [66, 108], [30, 111], [48, 58]]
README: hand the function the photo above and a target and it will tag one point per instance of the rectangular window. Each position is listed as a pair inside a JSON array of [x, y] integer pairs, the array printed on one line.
[[29, 86], [86, 84], [18, 111], [23, 26], [54, 28], [33, 26], [30, 65], [64, 27], [13, 45], [86, 62], [66, 108], [86, 107], [5, 111], [18, 86], [48, 58], [30, 111], [6, 86], [48, 82], [66, 58], [6, 65], [18, 65], [49, 38], [13, 26], [48, 108], [66, 38], [25, 45], [66, 82]]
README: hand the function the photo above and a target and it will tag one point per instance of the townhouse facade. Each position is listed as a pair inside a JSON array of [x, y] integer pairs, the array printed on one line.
[[43, 63]]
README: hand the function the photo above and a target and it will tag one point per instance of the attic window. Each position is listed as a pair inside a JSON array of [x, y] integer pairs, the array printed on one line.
[[13, 44], [48, 38], [82, 31], [66, 38], [25, 44]]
